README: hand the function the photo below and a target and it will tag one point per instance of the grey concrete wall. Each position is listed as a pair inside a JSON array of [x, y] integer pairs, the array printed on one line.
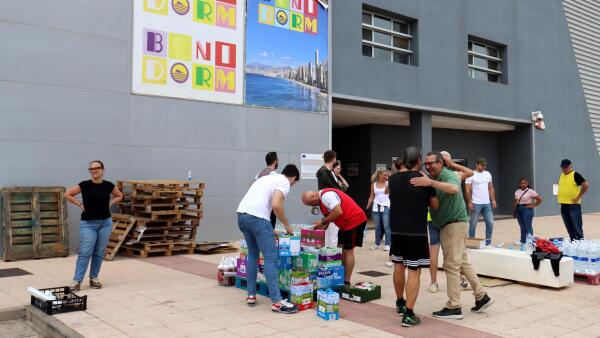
[[542, 74], [65, 99]]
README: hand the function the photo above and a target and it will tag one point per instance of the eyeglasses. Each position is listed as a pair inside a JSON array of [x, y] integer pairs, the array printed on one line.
[[95, 169]]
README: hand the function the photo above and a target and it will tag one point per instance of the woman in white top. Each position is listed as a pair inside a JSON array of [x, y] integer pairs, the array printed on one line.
[[380, 200]]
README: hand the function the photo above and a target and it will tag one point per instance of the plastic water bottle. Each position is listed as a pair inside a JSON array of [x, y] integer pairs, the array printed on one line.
[[189, 177], [529, 244]]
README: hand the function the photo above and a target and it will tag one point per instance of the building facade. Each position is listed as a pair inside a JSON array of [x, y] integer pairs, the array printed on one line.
[[464, 76]]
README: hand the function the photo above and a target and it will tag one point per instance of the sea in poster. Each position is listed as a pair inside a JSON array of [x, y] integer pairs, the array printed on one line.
[[287, 55]]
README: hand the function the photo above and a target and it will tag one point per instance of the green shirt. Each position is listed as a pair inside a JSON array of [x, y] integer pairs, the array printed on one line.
[[452, 207]]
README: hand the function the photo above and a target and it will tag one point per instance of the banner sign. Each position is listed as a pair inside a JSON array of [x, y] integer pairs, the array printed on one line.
[[191, 49], [287, 54]]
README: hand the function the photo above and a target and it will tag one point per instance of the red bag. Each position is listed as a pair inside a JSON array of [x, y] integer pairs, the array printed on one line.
[[546, 246]]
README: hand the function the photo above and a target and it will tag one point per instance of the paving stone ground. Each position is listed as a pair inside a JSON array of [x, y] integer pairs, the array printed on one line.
[[178, 297]]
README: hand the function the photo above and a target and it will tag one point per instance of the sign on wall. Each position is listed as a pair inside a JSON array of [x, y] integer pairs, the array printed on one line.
[[191, 49], [309, 165], [287, 54]]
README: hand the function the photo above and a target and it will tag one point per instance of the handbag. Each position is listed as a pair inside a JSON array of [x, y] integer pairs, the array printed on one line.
[[516, 208]]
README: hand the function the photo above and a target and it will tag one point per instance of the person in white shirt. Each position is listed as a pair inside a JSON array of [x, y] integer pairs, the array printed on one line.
[[380, 200], [266, 194], [481, 199]]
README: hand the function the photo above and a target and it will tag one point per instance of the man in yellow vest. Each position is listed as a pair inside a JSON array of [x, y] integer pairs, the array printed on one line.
[[571, 188]]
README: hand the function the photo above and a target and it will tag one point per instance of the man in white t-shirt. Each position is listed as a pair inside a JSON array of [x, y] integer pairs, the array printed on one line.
[[481, 199], [265, 195]]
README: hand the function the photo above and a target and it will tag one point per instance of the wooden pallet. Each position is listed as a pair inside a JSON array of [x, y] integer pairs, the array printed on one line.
[[160, 248], [34, 223], [122, 224], [587, 279], [162, 188]]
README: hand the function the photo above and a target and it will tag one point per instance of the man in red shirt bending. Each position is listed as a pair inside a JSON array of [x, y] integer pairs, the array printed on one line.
[[339, 208]]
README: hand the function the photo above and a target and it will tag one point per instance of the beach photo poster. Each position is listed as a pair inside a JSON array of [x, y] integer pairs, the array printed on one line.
[[287, 54], [190, 49]]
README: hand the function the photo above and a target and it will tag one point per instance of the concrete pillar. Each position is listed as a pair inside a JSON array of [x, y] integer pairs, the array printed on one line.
[[420, 131]]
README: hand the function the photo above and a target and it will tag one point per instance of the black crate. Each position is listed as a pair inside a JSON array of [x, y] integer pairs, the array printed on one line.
[[66, 301]]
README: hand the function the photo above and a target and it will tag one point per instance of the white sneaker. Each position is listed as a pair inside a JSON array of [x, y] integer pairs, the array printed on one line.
[[374, 247], [517, 242], [389, 264], [434, 287], [464, 284], [386, 248]]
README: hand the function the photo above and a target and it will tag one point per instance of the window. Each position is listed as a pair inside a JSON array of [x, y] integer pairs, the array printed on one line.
[[484, 61], [386, 38]]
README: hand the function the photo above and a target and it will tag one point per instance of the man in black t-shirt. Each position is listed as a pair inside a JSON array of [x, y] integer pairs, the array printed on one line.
[[408, 223]]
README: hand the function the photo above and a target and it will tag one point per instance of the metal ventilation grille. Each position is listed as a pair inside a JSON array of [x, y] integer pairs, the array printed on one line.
[[583, 19]]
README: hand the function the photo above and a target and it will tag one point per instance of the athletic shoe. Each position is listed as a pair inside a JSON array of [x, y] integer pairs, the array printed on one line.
[[389, 264], [400, 309], [449, 313], [386, 248], [464, 284], [408, 321], [482, 304], [284, 307], [75, 286], [434, 287], [374, 247], [95, 283], [251, 300]]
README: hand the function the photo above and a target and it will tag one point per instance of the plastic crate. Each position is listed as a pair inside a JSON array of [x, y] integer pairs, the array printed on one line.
[[66, 301]]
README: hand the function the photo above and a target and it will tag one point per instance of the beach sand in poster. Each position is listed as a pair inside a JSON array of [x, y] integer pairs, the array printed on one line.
[[283, 93]]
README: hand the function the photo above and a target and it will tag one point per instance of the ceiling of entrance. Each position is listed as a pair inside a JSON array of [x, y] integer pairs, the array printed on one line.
[[349, 115]]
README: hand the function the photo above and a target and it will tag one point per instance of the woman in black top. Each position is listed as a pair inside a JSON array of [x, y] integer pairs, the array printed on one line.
[[96, 223]]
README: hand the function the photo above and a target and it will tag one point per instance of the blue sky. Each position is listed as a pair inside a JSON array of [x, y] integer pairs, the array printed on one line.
[[276, 46]]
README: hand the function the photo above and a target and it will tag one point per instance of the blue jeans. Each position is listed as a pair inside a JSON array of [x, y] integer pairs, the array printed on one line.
[[93, 238], [525, 219], [571, 215], [382, 221], [434, 234], [260, 237], [488, 217]]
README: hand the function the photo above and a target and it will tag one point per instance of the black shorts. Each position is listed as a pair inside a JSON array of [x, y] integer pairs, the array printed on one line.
[[352, 238], [412, 251]]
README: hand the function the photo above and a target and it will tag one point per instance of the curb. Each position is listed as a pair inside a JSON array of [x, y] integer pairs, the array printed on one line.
[[49, 325]]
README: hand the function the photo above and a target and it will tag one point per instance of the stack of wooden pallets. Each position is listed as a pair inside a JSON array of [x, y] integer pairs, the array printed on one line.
[[170, 212]]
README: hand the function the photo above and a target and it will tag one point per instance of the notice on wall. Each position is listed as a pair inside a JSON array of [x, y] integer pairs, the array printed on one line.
[[309, 165], [555, 189], [352, 169], [287, 54], [191, 49]]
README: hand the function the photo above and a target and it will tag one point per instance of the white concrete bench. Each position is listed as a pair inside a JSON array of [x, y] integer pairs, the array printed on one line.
[[516, 265]]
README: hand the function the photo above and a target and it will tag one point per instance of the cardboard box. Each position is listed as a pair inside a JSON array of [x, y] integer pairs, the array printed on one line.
[[302, 296], [241, 268], [328, 306], [284, 263], [312, 238], [361, 292], [300, 277], [475, 243], [289, 245], [285, 279]]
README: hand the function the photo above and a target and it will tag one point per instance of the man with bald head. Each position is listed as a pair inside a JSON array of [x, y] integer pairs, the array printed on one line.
[[339, 208]]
